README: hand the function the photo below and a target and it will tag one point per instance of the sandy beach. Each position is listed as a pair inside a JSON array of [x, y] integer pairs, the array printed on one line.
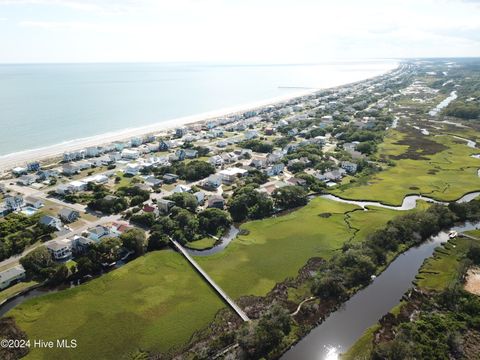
[[10, 161]]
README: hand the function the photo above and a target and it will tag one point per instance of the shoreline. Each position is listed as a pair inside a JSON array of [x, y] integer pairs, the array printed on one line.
[[9, 161]]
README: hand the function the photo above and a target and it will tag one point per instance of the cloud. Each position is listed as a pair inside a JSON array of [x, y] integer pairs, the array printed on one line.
[[110, 6]]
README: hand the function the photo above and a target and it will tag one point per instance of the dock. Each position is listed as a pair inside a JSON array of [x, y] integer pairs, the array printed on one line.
[[212, 283]]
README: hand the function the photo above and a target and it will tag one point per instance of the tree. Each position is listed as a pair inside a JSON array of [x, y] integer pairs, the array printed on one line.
[[39, 264], [134, 240], [289, 197], [258, 338], [247, 203], [213, 220], [328, 287], [144, 219], [157, 241], [60, 275], [106, 250], [184, 200]]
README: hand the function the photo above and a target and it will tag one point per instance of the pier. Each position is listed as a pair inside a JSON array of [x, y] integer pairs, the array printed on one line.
[[212, 283]]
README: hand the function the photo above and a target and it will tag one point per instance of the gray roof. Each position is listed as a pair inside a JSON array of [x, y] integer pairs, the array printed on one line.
[[11, 273]]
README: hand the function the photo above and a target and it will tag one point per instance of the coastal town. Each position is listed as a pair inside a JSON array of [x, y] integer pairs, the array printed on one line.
[[79, 216]]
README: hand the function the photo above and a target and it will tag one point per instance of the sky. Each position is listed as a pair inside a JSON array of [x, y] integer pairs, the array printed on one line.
[[236, 31]]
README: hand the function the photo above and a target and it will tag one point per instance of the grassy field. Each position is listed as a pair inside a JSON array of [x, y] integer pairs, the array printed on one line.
[[445, 175], [153, 303], [277, 248]]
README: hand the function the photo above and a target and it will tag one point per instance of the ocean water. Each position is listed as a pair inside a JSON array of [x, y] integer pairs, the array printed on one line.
[[43, 105]]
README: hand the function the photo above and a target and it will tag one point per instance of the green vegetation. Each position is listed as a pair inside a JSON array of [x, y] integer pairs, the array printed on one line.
[[18, 231], [276, 248], [202, 244], [444, 175], [153, 303], [15, 289]]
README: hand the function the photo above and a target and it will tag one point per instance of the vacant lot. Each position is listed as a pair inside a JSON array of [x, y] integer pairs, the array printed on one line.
[[153, 303]]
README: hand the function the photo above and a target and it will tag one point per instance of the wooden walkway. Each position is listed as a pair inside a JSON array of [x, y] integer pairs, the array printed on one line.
[[217, 288]]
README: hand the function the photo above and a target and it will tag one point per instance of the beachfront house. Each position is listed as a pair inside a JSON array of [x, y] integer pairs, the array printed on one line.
[[19, 171], [11, 276], [130, 154], [33, 166], [26, 180]]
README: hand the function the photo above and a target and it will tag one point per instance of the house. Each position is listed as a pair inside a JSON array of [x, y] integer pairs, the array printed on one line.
[[68, 215], [230, 175], [60, 249], [97, 179], [200, 196], [136, 141], [77, 186], [350, 147], [153, 181], [333, 175], [269, 131], [14, 202], [164, 205], [297, 181], [151, 208], [118, 229], [130, 154], [181, 189], [216, 201], [259, 161], [275, 169], [350, 167], [51, 221], [180, 155], [165, 145], [191, 154], [98, 232], [213, 182], [92, 151], [18, 171], [250, 134], [11, 276], [170, 178], [132, 169], [181, 131], [70, 169], [216, 160], [34, 202], [26, 180], [80, 244], [33, 166]]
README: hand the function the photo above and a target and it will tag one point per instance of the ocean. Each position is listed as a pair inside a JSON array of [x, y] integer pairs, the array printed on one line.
[[46, 104]]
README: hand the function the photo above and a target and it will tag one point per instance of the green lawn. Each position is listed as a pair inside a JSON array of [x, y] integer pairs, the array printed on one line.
[[153, 303], [446, 175]]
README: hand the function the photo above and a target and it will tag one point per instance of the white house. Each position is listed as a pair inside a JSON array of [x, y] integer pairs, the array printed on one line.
[[76, 186], [60, 249], [130, 154], [98, 232], [132, 169], [229, 175], [11, 276]]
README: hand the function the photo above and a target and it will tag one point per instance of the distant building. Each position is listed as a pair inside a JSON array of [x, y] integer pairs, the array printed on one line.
[[33, 166], [68, 215]]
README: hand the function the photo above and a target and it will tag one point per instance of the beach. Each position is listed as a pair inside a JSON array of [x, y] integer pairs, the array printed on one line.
[[20, 158]]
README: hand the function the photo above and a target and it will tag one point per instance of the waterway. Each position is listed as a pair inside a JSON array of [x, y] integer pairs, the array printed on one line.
[[343, 327]]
